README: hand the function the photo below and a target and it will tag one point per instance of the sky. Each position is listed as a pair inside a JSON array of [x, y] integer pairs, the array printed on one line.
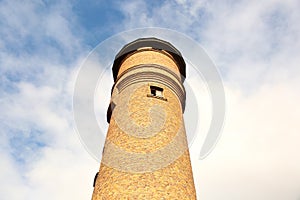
[[254, 44]]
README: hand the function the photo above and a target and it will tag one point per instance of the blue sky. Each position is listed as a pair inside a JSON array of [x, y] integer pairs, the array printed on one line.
[[255, 46]]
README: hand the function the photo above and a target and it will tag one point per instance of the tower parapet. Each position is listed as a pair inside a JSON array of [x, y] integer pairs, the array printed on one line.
[[146, 44]]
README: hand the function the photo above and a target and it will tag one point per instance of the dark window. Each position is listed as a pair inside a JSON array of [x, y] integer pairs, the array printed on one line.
[[156, 91]]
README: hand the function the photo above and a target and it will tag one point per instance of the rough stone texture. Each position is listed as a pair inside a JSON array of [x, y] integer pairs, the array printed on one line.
[[139, 107], [172, 181], [149, 57]]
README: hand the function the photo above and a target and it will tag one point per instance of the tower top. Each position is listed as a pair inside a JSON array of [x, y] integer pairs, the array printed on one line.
[[154, 43]]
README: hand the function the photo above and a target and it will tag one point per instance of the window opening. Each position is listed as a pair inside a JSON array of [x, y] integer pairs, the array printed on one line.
[[156, 92]]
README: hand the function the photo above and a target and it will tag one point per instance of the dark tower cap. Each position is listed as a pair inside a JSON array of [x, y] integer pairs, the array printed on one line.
[[148, 42]]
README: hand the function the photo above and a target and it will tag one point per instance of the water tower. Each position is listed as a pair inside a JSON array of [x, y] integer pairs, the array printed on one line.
[[146, 154]]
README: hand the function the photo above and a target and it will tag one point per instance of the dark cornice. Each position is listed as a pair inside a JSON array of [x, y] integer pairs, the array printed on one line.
[[148, 42]]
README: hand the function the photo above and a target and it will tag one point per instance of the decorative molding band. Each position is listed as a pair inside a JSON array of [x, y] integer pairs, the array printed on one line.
[[152, 73], [154, 66]]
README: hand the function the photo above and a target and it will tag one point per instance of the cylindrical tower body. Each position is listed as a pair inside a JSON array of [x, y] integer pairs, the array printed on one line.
[[146, 152]]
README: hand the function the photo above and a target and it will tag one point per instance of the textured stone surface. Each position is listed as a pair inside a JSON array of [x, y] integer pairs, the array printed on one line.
[[139, 107], [149, 57], [172, 181]]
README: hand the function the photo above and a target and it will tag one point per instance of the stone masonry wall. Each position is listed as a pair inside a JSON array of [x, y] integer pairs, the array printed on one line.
[[172, 181]]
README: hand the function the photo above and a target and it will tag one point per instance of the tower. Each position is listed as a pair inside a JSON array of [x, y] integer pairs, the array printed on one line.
[[146, 155]]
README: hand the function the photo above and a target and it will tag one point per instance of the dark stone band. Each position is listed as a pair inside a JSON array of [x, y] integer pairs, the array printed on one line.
[[155, 43]]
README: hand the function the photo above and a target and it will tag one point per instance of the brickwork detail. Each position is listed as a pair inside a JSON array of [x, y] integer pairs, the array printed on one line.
[[146, 152], [149, 57]]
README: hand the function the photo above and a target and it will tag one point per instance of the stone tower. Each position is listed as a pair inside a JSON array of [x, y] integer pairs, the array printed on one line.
[[146, 155]]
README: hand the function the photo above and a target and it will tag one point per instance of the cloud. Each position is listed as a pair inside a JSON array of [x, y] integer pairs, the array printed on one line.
[[40, 151], [257, 153], [167, 14], [254, 44]]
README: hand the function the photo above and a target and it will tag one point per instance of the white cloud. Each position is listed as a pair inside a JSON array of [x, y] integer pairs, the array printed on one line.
[[257, 156], [62, 174], [41, 156], [256, 46]]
